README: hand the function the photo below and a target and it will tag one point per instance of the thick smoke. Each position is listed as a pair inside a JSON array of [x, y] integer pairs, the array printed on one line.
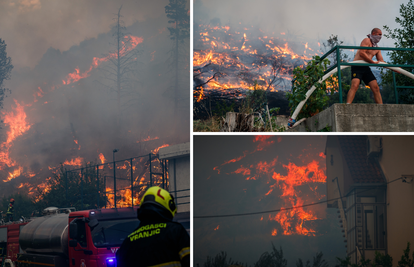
[[81, 119], [311, 20], [245, 238], [32, 27]]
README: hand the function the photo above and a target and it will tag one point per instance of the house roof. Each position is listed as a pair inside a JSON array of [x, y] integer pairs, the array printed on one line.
[[362, 169]]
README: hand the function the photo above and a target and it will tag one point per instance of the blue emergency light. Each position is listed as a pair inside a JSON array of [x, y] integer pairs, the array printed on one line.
[[111, 262]]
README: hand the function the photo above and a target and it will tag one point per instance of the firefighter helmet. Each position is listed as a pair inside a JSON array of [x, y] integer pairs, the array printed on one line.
[[12, 200], [160, 197]]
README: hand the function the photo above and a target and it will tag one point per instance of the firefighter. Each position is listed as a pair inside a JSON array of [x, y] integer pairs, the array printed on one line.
[[10, 210], [158, 241]]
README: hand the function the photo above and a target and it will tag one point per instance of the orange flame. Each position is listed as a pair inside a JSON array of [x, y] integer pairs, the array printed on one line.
[[232, 51], [74, 162], [14, 174], [148, 139], [102, 158], [76, 75], [155, 151], [123, 198], [16, 121], [292, 220]]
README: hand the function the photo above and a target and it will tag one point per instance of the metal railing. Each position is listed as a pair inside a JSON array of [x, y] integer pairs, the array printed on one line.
[[123, 178], [338, 64]]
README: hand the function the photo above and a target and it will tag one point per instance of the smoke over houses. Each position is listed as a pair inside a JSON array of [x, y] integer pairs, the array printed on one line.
[[75, 104]]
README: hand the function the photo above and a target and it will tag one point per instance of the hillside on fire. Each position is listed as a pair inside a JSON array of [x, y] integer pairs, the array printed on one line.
[[252, 61], [252, 192], [120, 87]]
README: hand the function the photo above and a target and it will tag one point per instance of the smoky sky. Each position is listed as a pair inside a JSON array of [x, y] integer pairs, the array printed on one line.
[[310, 20], [220, 189], [30, 27], [84, 118]]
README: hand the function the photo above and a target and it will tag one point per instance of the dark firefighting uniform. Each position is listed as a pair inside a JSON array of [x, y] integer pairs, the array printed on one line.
[[10, 211], [158, 241]]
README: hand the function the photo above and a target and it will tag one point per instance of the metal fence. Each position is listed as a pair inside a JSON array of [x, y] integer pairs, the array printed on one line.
[[119, 183], [340, 63]]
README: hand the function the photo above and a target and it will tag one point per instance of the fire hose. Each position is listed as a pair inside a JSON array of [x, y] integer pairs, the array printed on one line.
[[292, 120]]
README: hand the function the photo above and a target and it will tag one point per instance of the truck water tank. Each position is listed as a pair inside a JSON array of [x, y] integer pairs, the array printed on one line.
[[46, 235]]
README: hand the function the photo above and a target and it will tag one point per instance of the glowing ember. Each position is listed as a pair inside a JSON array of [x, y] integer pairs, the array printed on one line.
[[215, 229], [148, 139]]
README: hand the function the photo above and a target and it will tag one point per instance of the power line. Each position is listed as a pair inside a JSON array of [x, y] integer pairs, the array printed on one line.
[[283, 209]]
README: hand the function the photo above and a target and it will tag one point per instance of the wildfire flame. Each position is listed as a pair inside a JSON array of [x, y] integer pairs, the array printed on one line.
[[292, 220], [123, 198], [77, 75], [102, 158], [288, 187], [234, 53], [14, 174], [155, 151], [148, 139], [18, 125], [74, 162]]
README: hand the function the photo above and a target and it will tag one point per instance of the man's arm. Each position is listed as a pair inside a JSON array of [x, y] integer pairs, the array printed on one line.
[[379, 56], [363, 53]]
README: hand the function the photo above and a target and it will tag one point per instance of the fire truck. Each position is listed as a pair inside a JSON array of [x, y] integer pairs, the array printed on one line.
[[88, 238], [9, 242]]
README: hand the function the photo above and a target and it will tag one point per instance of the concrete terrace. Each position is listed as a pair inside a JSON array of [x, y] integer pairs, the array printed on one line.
[[361, 118]]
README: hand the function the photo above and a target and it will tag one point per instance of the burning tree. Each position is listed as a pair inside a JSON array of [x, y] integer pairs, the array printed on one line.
[[123, 64], [179, 17], [65, 189], [229, 61], [5, 69]]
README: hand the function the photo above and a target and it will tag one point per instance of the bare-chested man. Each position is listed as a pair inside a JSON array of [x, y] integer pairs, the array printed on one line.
[[364, 72]]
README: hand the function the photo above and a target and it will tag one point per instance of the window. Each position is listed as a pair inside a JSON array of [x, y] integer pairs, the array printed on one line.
[[81, 238], [366, 221]]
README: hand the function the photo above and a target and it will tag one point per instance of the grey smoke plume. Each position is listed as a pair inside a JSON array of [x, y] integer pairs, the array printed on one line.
[[85, 110], [312, 20]]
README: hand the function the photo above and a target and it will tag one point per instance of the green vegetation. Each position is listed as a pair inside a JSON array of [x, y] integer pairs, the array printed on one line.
[[276, 259], [304, 79], [211, 124], [403, 38]]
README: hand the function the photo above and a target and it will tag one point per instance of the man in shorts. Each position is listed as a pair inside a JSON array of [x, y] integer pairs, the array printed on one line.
[[364, 73]]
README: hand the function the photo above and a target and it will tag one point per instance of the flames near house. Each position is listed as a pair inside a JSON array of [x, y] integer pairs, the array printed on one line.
[[302, 183]]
